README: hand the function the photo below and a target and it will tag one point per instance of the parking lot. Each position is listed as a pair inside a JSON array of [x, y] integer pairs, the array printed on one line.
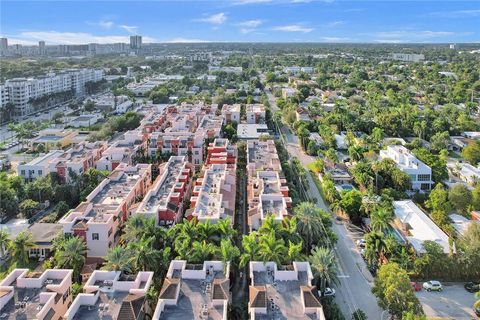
[[454, 302]]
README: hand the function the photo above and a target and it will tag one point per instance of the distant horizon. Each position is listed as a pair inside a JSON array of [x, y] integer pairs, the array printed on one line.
[[251, 21]]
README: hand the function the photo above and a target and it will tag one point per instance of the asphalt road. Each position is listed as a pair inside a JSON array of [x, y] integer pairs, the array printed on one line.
[[454, 302], [356, 281]]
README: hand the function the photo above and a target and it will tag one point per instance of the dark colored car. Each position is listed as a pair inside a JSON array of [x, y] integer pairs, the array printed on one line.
[[472, 286]]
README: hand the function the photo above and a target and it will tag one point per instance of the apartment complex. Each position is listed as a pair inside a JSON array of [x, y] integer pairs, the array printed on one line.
[[255, 113], [33, 295], [231, 113], [267, 194], [182, 131], [98, 219], [133, 144], [75, 161], [194, 291], [267, 190], [40, 166], [111, 295], [283, 292], [420, 174], [262, 156], [214, 195], [165, 200], [21, 91]]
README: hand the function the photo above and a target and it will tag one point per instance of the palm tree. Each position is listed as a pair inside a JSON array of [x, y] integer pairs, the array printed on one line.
[[289, 230], [71, 254], [201, 251], [374, 247], [118, 259], [20, 246], [324, 267], [380, 219], [144, 255], [227, 251], [272, 249], [269, 225], [294, 252], [250, 248], [4, 242], [206, 230], [310, 224], [224, 229], [134, 228]]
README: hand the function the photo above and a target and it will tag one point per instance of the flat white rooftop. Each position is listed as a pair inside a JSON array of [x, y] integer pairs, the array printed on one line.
[[420, 227]]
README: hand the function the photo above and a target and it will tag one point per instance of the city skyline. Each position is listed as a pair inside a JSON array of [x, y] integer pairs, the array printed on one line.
[[72, 22]]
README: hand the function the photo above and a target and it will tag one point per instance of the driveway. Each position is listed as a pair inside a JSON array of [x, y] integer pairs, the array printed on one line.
[[454, 302]]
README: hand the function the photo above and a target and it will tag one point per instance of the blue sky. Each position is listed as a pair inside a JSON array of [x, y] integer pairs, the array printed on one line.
[[74, 22]]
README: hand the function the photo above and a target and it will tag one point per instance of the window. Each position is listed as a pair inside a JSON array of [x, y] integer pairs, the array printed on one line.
[[68, 234], [40, 172], [95, 236], [413, 177], [22, 172], [423, 177], [425, 186]]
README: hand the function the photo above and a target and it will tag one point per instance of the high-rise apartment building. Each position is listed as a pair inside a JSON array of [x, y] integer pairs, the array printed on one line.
[[135, 42]]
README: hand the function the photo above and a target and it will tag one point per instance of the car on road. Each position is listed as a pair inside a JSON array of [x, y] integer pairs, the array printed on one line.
[[432, 285], [361, 243], [472, 286], [328, 292], [416, 286]]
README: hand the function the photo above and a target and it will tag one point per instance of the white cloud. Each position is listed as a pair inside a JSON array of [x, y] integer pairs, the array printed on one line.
[[457, 13], [335, 24], [218, 18], [129, 29], [411, 35], [293, 28], [56, 37], [249, 25], [186, 40], [105, 24]]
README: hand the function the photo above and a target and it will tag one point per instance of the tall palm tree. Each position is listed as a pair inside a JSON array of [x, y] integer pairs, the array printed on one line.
[[374, 247], [250, 248], [134, 228], [4, 242], [118, 259], [324, 267], [224, 229], [71, 254], [310, 224], [20, 246], [206, 230], [294, 252], [201, 251], [272, 249], [269, 225], [227, 251], [145, 255], [289, 230], [381, 219]]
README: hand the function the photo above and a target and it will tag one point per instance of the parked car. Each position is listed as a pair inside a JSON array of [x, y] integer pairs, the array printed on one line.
[[472, 286], [361, 243], [432, 285], [328, 292], [476, 308], [416, 286]]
